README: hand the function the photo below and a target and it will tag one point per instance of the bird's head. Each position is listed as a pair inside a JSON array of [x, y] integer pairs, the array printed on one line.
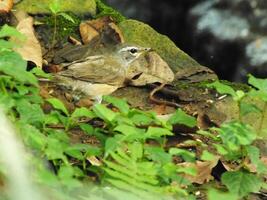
[[130, 53]]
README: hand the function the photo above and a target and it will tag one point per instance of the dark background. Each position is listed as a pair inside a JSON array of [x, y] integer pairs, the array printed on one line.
[[174, 18]]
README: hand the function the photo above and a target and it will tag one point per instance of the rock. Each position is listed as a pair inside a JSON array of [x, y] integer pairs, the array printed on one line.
[[231, 36], [42, 6], [142, 34]]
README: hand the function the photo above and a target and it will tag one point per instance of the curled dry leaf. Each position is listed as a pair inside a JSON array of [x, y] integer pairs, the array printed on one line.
[[149, 69], [5, 5], [30, 49], [101, 29], [88, 33]]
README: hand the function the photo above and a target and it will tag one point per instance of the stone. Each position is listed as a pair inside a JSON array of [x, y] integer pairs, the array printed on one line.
[[136, 32], [42, 6]]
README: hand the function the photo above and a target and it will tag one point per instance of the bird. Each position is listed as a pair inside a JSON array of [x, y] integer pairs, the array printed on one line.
[[99, 74]]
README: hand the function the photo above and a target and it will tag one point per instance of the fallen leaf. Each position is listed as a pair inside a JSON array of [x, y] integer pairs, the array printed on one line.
[[5, 5], [112, 32], [30, 49], [195, 74], [149, 69], [204, 169], [94, 161], [88, 33], [103, 29]]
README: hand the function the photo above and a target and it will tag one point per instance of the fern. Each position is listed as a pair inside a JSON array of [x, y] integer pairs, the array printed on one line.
[[128, 170]]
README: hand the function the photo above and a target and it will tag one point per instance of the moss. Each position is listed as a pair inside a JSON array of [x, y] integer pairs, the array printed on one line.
[[42, 6], [142, 34], [236, 86], [104, 10], [184, 85], [64, 27]]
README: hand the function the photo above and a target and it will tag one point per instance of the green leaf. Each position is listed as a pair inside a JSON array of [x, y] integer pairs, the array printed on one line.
[[221, 150], [55, 149], [87, 128], [258, 83], [180, 117], [129, 130], [185, 154], [258, 94], [141, 119], [121, 104], [207, 156], [241, 183], [30, 113], [254, 156], [136, 150], [8, 31], [40, 73], [48, 178], [111, 145], [158, 154], [82, 112], [104, 113], [55, 6], [246, 108], [13, 65], [235, 134], [67, 17], [222, 88], [57, 104], [215, 194], [156, 132], [7, 45], [32, 136], [51, 118], [65, 172], [192, 171], [75, 153]]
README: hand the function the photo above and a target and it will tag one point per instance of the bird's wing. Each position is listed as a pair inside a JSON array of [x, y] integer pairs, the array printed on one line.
[[96, 69]]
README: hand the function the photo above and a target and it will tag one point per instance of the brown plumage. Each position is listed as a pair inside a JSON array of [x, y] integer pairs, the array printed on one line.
[[99, 75]]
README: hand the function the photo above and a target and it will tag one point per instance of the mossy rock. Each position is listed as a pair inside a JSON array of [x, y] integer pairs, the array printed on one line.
[[258, 120], [42, 6], [136, 32]]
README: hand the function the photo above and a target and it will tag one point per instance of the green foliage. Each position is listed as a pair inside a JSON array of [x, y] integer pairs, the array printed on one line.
[[128, 163], [104, 10], [215, 194], [55, 8], [235, 142], [131, 149], [182, 118], [62, 22], [241, 183]]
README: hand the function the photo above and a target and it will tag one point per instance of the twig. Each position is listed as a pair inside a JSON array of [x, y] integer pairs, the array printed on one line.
[[158, 101]]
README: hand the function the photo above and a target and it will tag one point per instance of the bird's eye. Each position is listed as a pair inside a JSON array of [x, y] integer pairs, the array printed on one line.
[[133, 50]]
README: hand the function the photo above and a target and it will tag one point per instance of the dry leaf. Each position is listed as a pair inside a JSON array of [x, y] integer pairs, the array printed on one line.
[[203, 171], [88, 33], [149, 69], [103, 29], [195, 74], [94, 161], [113, 32], [31, 48], [5, 5]]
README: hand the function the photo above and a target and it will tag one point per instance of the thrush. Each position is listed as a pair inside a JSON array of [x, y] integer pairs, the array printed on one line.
[[98, 75]]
